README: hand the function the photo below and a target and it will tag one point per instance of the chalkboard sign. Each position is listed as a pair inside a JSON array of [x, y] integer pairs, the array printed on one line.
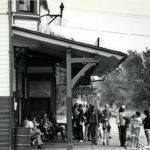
[[39, 89]]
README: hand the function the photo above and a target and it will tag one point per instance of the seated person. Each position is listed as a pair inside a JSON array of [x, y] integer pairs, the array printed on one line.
[[46, 126], [35, 133], [58, 128]]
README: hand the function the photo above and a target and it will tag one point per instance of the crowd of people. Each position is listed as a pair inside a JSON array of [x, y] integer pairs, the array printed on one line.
[[92, 124], [94, 121], [129, 128], [97, 125]]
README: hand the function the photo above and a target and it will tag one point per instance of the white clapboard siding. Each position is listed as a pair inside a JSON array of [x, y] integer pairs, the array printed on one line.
[[3, 52], [4, 49], [3, 80], [28, 24], [3, 6], [5, 57], [4, 76]]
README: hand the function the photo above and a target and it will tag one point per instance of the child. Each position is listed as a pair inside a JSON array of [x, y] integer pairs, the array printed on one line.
[[133, 134], [106, 131]]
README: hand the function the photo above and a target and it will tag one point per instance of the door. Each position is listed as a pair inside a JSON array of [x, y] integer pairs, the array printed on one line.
[[39, 94]]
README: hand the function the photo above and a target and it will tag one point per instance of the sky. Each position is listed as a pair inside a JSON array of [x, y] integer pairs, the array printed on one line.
[[121, 25]]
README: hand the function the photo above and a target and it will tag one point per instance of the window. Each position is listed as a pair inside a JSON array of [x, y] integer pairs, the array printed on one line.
[[27, 6]]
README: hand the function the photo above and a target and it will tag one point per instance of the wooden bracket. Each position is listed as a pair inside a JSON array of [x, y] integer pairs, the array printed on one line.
[[82, 72]]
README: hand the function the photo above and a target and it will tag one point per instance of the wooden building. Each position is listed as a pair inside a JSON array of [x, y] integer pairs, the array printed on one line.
[[28, 61]]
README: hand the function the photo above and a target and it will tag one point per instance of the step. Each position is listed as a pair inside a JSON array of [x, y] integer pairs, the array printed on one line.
[[4, 103], [4, 117], [4, 144], [4, 132], [4, 136], [4, 121], [4, 109], [4, 98], [4, 126], [4, 113], [6, 148], [4, 140]]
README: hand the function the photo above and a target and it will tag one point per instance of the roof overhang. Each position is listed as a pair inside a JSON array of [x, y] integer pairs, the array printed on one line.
[[57, 46], [68, 44]]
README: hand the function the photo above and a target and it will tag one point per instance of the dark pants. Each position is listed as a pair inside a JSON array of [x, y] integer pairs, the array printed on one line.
[[80, 132], [93, 129], [60, 129], [119, 133], [122, 135]]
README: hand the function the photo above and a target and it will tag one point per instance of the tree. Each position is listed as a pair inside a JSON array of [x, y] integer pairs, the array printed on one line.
[[130, 83]]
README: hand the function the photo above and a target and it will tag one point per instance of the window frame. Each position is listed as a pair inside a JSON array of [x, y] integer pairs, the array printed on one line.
[[27, 12]]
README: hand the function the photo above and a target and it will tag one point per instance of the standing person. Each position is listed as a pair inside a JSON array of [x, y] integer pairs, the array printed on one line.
[[75, 113], [118, 123], [146, 123], [86, 120], [89, 130], [107, 115], [79, 123], [139, 122], [94, 121], [122, 120]]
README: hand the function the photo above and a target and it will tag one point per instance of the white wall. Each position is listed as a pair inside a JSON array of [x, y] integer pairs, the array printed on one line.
[[27, 24], [4, 49]]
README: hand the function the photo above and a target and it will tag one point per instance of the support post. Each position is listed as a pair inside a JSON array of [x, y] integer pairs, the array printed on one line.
[[69, 100]]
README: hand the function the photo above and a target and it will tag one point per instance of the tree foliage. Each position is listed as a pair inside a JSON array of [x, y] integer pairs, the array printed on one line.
[[130, 83]]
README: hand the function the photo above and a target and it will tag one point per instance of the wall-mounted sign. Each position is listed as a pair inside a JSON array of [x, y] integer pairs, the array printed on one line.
[[39, 89]]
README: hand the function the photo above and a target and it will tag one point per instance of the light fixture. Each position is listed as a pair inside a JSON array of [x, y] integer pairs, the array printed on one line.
[[54, 16]]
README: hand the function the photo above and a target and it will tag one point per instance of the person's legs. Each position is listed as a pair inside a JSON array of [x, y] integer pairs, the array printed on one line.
[[122, 135], [104, 136], [85, 134], [96, 134], [147, 133], [89, 132], [92, 132], [80, 132], [119, 134], [60, 129], [36, 135], [107, 137]]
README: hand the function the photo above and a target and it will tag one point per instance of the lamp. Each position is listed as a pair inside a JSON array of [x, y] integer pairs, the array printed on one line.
[[54, 16]]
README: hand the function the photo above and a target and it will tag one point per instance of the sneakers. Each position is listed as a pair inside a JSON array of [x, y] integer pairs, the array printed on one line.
[[80, 141]]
